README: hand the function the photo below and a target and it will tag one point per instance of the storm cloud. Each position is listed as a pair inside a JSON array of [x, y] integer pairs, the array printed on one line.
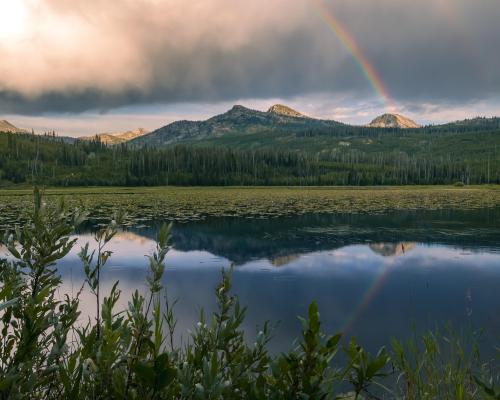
[[73, 56]]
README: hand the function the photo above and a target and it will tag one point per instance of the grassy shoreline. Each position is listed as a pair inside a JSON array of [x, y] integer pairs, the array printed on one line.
[[28, 189]]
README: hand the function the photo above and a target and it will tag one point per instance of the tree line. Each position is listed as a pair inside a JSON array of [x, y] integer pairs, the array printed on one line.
[[50, 160]]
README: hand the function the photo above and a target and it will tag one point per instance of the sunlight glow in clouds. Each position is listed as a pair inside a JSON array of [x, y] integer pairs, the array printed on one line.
[[74, 46], [13, 19]]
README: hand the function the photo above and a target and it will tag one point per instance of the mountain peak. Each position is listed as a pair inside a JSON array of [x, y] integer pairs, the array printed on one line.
[[393, 121], [281, 109], [6, 126], [239, 108]]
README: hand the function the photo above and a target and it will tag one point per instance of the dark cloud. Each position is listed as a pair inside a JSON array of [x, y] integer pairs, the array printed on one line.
[[109, 54]]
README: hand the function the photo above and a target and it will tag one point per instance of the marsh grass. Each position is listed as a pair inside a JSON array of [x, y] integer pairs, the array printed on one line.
[[47, 352], [144, 205]]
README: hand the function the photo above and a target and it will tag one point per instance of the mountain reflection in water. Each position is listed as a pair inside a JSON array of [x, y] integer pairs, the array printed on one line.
[[392, 249], [354, 266], [244, 240]]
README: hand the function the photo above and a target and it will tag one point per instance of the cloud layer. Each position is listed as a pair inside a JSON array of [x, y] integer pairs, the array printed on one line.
[[73, 56]]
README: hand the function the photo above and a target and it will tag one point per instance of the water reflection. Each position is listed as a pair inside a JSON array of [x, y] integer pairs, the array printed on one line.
[[243, 240], [284, 260], [372, 276], [392, 249], [359, 292]]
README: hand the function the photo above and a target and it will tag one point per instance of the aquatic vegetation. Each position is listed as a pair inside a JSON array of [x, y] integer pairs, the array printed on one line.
[[190, 204], [47, 352]]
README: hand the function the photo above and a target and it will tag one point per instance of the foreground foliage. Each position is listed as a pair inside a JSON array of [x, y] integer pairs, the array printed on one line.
[[48, 351]]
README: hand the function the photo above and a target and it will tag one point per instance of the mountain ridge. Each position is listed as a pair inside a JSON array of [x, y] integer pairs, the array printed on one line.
[[116, 137], [242, 122], [238, 120], [239, 125]]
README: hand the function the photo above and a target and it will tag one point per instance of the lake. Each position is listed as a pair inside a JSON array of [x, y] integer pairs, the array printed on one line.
[[374, 276]]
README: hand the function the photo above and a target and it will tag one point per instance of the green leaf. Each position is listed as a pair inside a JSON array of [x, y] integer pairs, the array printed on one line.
[[8, 303], [314, 317], [145, 373]]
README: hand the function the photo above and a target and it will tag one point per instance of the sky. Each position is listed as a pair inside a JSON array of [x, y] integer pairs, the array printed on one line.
[[87, 66]]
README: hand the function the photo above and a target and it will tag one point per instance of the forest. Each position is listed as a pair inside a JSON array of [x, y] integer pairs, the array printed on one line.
[[425, 157]]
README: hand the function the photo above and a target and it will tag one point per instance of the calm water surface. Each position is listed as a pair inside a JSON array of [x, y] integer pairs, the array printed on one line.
[[373, 276]]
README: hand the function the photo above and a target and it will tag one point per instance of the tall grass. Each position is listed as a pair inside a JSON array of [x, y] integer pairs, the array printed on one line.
[[48, 352]]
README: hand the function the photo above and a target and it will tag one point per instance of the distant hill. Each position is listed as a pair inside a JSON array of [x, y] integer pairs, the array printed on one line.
[[6, 126], [393, 121], [469, 125], [117, 137], [491, 122], [238, 120]]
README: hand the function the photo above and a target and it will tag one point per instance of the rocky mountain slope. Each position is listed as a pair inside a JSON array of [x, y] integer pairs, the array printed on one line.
[[238, 120], [117, 137], [393, 121], [280, 109], [6, 126]]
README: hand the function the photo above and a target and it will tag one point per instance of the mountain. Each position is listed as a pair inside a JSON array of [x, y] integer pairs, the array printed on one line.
[[117, 137], [6, 126], [393, 121], [244, 129], [238, 121], [280, 109]]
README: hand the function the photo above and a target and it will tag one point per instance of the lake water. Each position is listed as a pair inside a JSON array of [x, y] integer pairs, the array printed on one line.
[[373, 276]]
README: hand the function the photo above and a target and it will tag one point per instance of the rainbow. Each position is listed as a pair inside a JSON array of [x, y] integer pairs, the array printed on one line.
[[376, 286], [352, 47]]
